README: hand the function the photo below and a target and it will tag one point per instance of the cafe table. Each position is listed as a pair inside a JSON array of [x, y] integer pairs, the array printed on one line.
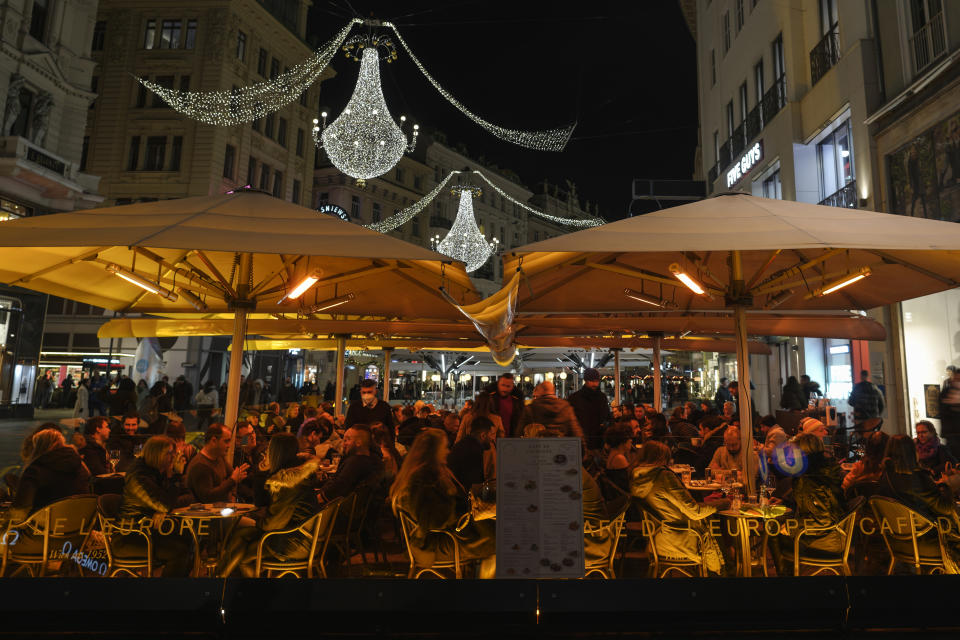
[[759, 517], [225, 514]]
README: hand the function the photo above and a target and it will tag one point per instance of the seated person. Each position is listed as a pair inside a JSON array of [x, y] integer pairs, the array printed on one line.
[[730, 457], [209, 476], [148, 495], [427, 491], [869, 468], [294, 419], [272, 421], [451, 424], [311, 434], [904, 480], [360, 465], [619, 443], [410, 427], [96, 434], [930, 452], [177, 433], [291, 501], [53, 472], [392, 458], [818, 497], [466, 457], [251, 451], [661, 492], [127, 440]]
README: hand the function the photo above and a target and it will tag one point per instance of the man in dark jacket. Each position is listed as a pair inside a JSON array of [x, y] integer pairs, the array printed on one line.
[[358, 467], [466, 457], [550, 411], [592, 409], [506, 404], [182, 394], [368, 409], [288, 392], [410, 427], [96, 433], [866, 399]]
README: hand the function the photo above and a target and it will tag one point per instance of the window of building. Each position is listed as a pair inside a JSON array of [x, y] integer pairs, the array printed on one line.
[[38, 19], [170, 34], [713, 67], [417, 182], [83, 153], [300, 139], [274, 69], [94, 87], [726, 32], [99, 35], [21, 125], [191, 39], [835, 160], [176, 152], [141, 95], [304, 98], [252, 171], [134, 154], [167, 83], [295, 196], [829, 15], [927, 34], [323, 198], [229, 158], [758, 80], [262, 63], [156, 150], [779, 68], [716, 147], [771, 186], [278, 184], [415, 227], [740, 16], [255, 125], [376, 212], [282, 132], [150, 34], [264, 177], [536, 236], [354, 207], [501, 233], [241, 45], [743, 102], [730, 119], [400, 175], [268, 122], [184, 83]]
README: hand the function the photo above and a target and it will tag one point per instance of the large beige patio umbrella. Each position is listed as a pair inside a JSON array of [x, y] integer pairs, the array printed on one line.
[[230, 254], [738, 255]]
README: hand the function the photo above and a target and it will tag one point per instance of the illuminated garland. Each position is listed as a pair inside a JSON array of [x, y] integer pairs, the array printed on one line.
[[403, 216], [464, 242], [246, 104], [546, 140], [570, 222]]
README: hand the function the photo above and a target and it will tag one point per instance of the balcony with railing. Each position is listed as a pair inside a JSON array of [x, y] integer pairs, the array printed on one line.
[[825, 54], [928, 42], [759, 117], [844, 197]]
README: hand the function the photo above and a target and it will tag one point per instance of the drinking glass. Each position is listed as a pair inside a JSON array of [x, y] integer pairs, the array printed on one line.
[[335, 461], [708, 475], [114, 459], [138, 450]]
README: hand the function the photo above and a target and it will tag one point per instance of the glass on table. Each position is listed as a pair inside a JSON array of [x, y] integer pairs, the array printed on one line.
[[686, 475], [114, 455]]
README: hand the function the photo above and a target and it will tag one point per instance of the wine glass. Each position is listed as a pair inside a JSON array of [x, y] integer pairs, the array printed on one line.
[[114, 459], [138, 450]]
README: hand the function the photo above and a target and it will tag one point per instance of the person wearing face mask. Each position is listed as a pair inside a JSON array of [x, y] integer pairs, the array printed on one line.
[[369, 409]]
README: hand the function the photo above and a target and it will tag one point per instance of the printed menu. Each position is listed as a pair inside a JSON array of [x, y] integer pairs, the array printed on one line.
[[539, 508]]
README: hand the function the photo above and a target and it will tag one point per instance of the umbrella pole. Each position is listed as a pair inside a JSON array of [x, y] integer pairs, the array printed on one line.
[[341, 363], [387, 355], [657, 377], [236, 351], [616, 376], [743, 376]]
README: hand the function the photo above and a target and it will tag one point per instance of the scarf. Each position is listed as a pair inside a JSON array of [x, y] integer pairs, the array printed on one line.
[[928, 449]]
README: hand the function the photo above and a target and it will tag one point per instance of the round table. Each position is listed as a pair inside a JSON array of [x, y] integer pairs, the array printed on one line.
[[743, 533], [226, 513]]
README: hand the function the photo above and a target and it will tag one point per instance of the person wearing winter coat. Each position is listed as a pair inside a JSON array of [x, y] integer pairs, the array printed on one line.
[[550, 411], [82, 407], [592, 409], [792, 397], [54, 472]]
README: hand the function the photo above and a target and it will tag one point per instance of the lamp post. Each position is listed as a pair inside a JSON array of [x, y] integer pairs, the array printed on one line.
[[563, 384]]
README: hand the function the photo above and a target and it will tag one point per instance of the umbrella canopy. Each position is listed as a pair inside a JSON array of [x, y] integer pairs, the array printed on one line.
[[231, 253], [737, 253]]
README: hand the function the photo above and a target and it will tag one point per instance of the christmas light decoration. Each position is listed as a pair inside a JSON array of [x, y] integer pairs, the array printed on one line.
[[571, 222], [403, 216], [246, 104], [464, 242], [364, 141]]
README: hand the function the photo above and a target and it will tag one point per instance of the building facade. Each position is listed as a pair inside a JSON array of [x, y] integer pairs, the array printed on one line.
[[786, 89], [46, 74]]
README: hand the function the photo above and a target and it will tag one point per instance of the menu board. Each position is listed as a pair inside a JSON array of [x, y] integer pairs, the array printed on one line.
[[539, 508]]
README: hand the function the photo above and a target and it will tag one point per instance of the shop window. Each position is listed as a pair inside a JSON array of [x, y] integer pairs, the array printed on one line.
[[835, 159]]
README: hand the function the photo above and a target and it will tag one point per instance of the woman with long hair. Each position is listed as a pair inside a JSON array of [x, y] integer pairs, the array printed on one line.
[[392, 460], [426, 491], [868, 468], [53, 471], [291, 501], [931, 453], [483, 406]]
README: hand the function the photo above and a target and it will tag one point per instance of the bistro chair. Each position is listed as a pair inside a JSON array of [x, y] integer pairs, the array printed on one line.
[[804, 555], [340, 537], [108, 512], [48, 530], [318, 529], [910, 537], [605, 533], [418, 566], [652, 526]]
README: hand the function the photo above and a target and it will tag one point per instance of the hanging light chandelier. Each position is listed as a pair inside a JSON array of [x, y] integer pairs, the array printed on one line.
[[464, 242], [364, 141]]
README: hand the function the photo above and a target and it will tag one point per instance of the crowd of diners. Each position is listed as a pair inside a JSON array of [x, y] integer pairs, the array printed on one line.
[[430, 463]]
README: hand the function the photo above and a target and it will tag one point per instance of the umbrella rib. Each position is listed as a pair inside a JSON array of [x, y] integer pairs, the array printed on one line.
[[229, 290], [285, 262], [340, 277], [65, 263], [150, 255], [909, 265]]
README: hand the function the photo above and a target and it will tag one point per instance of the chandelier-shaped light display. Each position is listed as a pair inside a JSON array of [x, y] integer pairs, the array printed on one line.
[[364, 141], [464, 242]]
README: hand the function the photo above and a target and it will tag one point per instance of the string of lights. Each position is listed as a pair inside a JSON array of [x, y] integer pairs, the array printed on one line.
[[403, 216], [570, 222], [464, 242], [246, 104], [545, 140]]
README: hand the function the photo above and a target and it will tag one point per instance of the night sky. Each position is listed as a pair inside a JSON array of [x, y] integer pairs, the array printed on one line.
[[625, 71]]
